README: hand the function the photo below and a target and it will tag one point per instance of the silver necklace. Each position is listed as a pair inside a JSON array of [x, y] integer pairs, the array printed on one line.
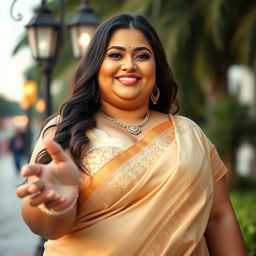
[[131, 128]]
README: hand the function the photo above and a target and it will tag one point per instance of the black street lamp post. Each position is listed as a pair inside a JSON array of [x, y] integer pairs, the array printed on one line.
[[45, 39], [30, 95]]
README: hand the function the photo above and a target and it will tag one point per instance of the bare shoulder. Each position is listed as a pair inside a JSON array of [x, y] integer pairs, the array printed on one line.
[[50, 127], [158, 117]]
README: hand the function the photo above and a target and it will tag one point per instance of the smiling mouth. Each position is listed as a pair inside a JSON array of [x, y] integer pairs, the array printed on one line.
[[127, 80]]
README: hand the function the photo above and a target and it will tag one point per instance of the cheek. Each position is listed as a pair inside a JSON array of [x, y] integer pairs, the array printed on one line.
[[150, 68], [107, 69], [150, 72], [105, 72]]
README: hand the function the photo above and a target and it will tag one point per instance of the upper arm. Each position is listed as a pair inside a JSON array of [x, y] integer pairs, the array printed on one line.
[[221, 202], [223, 234]]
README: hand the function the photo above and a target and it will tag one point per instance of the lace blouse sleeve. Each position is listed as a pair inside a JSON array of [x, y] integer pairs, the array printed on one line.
[[217, 165]]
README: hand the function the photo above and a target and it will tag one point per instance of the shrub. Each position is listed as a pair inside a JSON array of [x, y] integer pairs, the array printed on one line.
[[244, 203]]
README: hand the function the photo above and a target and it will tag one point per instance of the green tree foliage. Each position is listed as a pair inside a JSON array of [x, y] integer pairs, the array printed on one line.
[[232, 119], [244, 202], [9, 108]]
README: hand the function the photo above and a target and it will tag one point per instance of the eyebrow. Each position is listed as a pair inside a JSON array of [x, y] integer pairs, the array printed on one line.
[[135, 49]]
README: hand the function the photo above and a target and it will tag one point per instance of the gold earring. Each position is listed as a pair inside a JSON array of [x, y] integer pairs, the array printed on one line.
[[155, 97]]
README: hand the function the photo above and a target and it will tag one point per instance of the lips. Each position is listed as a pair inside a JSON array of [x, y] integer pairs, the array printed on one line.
[[128, 79]]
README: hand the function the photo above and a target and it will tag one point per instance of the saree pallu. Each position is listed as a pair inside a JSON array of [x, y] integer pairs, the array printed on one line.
[[153, 197]]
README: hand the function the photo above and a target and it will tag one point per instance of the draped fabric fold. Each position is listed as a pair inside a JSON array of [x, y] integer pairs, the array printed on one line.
[[153, 197]]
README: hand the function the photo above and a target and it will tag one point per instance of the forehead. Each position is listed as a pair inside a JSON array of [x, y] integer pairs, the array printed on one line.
[[128, 38]]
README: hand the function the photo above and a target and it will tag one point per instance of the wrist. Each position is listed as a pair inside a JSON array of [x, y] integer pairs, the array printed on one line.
[[58, 213]]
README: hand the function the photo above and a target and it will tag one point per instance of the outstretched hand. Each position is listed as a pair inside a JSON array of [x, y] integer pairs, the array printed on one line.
[[55, 184]]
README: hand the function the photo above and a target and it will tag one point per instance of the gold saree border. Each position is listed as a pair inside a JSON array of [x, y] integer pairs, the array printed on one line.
[[110, 167]]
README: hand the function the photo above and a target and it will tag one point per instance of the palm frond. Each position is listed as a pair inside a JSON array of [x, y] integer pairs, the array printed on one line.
[[136, 6], [179, 20], [23, 42], [244, 39], [216, 21]]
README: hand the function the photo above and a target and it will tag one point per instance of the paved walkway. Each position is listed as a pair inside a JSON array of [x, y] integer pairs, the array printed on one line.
[[15, 237]]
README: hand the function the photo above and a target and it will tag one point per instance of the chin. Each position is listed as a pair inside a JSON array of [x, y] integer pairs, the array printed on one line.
[[127, 97], [130, 104]]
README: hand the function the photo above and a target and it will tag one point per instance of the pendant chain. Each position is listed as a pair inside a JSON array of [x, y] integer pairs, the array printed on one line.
[[131, 128]]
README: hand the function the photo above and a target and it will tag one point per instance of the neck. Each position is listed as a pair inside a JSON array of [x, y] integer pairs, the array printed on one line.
[[128, 116]]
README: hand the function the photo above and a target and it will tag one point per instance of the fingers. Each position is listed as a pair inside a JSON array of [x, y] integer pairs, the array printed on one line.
[[30, 189], [55, 151], [50, 199], [31, 170], [36, 187], [58, 200], [37, 195]]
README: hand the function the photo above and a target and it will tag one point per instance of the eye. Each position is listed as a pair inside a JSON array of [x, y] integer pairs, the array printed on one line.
[[114, 55], [143, 56]]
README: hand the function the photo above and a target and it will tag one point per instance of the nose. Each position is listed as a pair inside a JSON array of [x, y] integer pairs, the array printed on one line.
[[128, 64]]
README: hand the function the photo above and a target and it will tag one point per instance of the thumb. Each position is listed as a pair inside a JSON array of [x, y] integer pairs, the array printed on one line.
[[55, 151]]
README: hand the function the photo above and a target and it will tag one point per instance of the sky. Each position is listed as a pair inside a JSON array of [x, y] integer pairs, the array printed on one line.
[[12, 68]]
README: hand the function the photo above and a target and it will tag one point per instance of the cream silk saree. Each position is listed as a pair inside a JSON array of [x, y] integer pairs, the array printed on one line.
[[153, 197]]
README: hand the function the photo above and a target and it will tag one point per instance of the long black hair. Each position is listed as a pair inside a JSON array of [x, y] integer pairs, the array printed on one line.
[[77, 113]]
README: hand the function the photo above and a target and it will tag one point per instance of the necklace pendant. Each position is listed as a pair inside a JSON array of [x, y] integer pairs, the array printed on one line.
[[133, 129]]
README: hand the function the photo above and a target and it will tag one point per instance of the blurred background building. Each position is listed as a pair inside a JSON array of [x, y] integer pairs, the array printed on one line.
[[242, 83]]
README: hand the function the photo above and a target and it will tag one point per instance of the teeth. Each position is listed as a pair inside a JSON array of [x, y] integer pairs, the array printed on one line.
[[127, 78]]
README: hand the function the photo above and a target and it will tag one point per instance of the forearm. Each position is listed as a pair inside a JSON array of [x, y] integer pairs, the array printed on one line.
[[47, 226], [224, 237]]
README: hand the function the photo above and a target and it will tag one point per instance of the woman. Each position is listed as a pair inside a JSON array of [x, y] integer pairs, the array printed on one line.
[[126, 177]]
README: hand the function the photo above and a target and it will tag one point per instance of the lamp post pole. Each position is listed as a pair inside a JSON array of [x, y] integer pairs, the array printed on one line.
[[30, 95], [45, 38], [28, 133], [46, 82]]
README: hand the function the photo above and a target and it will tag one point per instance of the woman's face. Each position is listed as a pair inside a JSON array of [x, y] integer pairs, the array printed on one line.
[[127, 75]]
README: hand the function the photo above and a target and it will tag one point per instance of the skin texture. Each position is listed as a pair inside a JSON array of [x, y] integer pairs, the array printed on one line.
[[127, 57], [57, 183], [223, 234]]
